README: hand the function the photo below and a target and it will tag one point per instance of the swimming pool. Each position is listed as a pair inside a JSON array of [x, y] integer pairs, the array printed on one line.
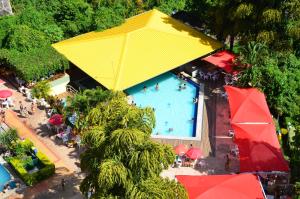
[[175, 111], [4, 176]]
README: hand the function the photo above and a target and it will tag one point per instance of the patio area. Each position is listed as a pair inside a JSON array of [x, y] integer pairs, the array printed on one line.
[[34, 127], [216, 141]]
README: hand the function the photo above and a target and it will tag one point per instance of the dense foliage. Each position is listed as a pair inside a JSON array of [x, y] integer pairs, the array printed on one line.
[[41, 90], [275, 22], [20, 164], [22, 158], [277, 74], [121, 161], [25, 37]]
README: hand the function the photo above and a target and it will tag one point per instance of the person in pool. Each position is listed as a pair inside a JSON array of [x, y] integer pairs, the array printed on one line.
[[195, 100], [156, 87], [145, 88]]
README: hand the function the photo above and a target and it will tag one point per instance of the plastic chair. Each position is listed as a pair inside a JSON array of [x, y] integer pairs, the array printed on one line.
[[230, 133], [235, 151]]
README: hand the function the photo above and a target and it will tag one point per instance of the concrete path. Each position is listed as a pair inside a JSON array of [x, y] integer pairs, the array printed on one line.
[[66, 159]]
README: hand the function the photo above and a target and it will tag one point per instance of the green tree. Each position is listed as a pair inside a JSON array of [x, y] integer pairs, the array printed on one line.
[[276, 74], [7, 23], [23, 38], [42, 21], [73, 17], [121, 160], [34, 64], [295, 160], [261, 21]]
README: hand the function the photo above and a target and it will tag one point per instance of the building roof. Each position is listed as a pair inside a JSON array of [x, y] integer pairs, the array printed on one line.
[[145, 46]]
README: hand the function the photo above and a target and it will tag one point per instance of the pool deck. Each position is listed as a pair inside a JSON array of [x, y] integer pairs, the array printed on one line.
[[215, 142]]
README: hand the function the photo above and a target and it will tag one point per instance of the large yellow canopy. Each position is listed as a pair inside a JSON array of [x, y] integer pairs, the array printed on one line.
[[145, 46]]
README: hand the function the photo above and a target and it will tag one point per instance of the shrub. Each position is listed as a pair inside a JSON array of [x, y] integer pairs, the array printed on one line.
[[8, 138], [34, 64], [41, 90], [46, 171]]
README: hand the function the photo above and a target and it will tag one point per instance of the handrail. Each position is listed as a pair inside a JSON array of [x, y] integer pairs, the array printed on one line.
[[71, 89]]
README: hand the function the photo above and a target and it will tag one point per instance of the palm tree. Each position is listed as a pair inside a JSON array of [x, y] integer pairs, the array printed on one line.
[[121, 159]]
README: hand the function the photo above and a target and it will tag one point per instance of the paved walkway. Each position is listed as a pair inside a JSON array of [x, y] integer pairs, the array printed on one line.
[[66, 159], [25, 132]]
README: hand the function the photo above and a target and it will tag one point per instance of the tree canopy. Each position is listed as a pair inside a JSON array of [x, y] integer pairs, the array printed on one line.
[[38, 23], [274, 22], [121, 161]]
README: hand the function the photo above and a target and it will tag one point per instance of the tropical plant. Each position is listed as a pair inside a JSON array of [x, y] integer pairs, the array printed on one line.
[[121, 160], [275, 23], [9, 138], [41, 90], [85, 100]]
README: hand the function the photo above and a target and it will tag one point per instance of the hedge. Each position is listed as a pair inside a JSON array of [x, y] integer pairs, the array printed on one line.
[[33, 178], [34, 64]]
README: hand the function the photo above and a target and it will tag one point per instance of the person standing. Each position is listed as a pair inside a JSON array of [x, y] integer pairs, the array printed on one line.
[[25, 112], [21, 106], [2, 115], [63, 183], [32, 108], [227, 163]]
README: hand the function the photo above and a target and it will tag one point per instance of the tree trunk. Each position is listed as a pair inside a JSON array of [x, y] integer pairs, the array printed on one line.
[[231, 42]]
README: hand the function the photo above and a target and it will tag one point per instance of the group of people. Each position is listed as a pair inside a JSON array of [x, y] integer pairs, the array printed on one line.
[[8, 102], [182, 79], [156, 87], [24, 111]]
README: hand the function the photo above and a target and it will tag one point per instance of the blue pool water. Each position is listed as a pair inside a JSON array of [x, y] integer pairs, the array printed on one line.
[[4, 177], [175, 111]]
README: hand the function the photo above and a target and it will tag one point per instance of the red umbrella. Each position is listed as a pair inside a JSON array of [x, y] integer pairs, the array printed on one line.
[[180, 149], [194, 153], [222, 186], [5, 94], [248, 105], [56, 119], [2, 82]]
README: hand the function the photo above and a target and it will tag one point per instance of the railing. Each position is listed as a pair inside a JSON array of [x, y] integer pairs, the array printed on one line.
[[71, 89]]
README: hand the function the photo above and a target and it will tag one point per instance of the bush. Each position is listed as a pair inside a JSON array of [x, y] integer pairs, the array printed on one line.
[[33, 178], [34, 64], [41, 90], [8, 138]]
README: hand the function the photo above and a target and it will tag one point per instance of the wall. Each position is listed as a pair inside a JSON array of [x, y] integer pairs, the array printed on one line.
[[59, 86]]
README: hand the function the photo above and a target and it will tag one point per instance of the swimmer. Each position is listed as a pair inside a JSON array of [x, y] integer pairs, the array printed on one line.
[[195, 100], [145, 88], [171, 129], [156, 87], [179, 88]]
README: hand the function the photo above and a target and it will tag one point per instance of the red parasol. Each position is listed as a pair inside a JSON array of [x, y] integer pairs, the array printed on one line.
[[56, 119], [180, 149], [194, 153], [2, 82], [5, 94]]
